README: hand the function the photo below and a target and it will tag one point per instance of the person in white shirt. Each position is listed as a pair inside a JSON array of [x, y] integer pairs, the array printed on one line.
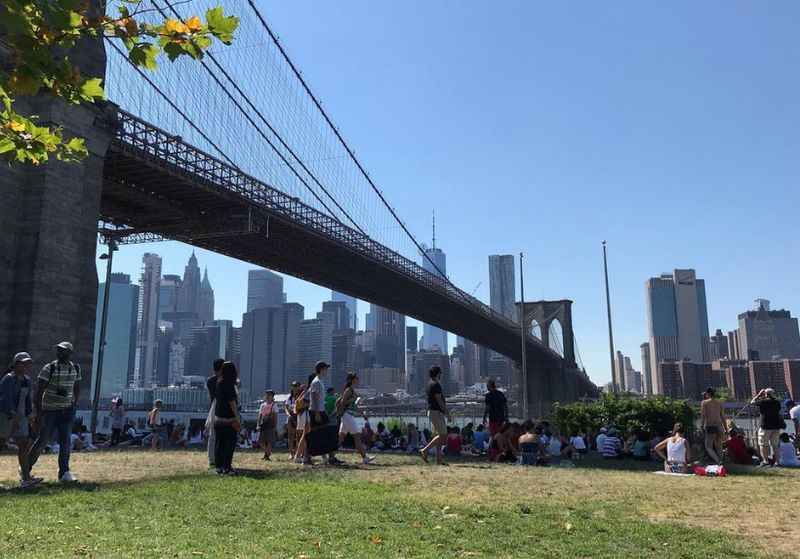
[[794, 415], [316, 408], [678, 458], [787, 455], [577, 445]]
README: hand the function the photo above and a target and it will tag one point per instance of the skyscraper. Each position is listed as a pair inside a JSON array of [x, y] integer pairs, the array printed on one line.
[[433, 337], [147, 333], [502, 293], [647, 378], [677, 319], [390, 334], [264, 289], [765, 334], [168, 295], [205, 300], [340, 312], [120, 354], [316, 342], [352, 306], [269, 345], [411, 338], [189, 291]]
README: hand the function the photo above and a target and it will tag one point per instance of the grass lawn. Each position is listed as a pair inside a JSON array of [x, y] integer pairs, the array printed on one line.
[[135, 504]]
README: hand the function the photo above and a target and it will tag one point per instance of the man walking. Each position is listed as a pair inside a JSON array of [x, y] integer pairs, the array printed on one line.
[[496, 408], [317, 415], [437, 414], [211, 385], [713, 424], [54, 409]]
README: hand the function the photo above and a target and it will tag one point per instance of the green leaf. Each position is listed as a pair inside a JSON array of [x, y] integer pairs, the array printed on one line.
[[174, 50], [92, 89], [6, 145], [145, 54], [221, 26]]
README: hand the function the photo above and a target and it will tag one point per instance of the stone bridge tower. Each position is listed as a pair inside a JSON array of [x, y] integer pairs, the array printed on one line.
[[48, 233]]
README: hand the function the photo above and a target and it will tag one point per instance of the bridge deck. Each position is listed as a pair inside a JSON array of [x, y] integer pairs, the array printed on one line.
[[157, 183]]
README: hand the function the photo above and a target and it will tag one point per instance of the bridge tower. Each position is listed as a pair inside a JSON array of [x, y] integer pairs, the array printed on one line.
[[551, 379], [48, 232]]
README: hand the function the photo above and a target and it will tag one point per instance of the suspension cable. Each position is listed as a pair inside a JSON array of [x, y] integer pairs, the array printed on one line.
[[344, 144]]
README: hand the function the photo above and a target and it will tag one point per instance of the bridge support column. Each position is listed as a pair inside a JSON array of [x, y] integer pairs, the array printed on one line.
[[48, 237]]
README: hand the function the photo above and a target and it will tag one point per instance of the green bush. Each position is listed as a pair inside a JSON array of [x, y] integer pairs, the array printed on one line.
[[655, 415]]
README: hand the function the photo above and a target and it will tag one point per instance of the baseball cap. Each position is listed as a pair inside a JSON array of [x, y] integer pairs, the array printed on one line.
[[770, 392], [603, 430], [321, 365], [65, 345], [22, 357]]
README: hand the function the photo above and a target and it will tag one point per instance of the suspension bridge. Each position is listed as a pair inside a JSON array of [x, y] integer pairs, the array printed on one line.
[[240, 157]]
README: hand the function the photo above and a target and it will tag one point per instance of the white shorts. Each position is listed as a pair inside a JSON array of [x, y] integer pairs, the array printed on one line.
[[349, 425], [302, 419]]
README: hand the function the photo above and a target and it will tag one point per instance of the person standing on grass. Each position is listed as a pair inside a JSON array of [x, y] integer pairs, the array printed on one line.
[[316, 408], [714, 425], [291, 421], [157, 427], [496, 407], [678, 457], [117, 421], [771, 424], [54, 410], [267, 423], [211, 385], [437, 414], [347, 410], [16, 406], [227, 423]]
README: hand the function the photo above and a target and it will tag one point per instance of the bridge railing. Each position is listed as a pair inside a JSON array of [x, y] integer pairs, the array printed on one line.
[[159, 145]]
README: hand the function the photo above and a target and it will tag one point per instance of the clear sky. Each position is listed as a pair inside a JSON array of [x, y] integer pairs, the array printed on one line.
[[669, 129]]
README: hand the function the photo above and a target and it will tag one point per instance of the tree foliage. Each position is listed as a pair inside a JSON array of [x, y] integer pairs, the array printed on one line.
[[36, 38], [655, 414]]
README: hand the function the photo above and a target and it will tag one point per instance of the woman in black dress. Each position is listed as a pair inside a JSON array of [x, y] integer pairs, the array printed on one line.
[[226, 420]]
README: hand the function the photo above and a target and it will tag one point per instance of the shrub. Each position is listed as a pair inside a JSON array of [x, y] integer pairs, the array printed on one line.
[[627, 413]]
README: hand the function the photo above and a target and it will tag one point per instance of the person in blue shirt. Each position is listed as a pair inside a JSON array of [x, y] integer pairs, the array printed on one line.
[[15, 410], [479, 438]]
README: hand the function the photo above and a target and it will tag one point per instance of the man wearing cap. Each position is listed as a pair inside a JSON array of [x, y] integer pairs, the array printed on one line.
[[771, 424], [16, 408], [54, 408], [316, 407]]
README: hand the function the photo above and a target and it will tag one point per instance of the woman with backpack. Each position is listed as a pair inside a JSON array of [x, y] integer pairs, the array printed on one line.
[[301, 406], [227, 423], [267, 423], [347, 409]]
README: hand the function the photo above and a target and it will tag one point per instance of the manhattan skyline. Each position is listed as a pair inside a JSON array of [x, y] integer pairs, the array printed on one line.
[[590, 124]]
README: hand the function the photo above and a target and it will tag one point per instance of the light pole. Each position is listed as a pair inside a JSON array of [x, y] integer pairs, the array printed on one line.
[[109, 258], [610, 332], [523, 336]]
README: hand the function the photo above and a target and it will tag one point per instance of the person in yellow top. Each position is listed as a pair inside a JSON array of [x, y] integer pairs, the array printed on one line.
[[713, 424]]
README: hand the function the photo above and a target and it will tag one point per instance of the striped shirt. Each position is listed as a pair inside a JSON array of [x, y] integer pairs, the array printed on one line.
[[611, 447], [60, 391]]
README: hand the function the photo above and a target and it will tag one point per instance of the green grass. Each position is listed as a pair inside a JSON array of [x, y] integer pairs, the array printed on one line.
[[288, 512]]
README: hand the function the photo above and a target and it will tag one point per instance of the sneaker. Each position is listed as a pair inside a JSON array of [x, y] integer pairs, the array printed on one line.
[[30, 482], [368, 459], [67, 478]]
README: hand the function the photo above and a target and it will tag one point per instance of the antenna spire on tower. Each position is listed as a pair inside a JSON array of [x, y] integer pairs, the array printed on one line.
[[434, 228]]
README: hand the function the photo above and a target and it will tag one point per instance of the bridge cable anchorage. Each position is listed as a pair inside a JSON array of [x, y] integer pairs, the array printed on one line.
[[173, 105], [261, 133], [347, 148]]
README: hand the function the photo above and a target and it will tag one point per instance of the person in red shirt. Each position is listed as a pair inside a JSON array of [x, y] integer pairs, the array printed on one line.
[[738, 452], [453, 442]]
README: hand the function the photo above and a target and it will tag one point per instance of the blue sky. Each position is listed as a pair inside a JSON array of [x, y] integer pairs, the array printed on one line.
[[669, 129]]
